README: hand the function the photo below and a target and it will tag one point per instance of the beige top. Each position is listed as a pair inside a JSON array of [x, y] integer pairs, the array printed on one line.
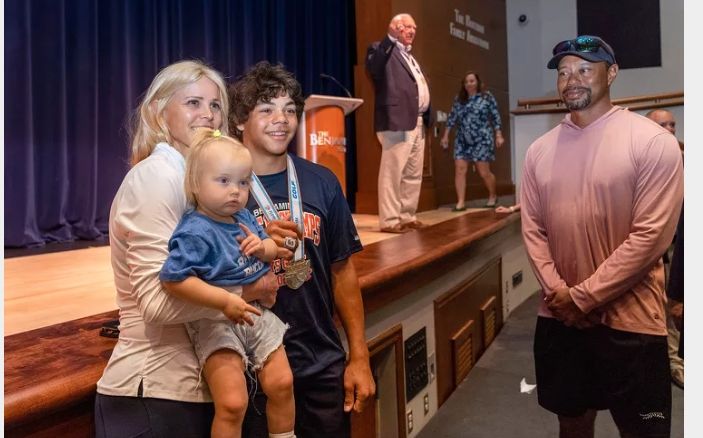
[[599, 208], [153, 349]]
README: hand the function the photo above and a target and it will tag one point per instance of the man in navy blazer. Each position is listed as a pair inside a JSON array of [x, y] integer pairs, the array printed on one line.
[[401, 115]]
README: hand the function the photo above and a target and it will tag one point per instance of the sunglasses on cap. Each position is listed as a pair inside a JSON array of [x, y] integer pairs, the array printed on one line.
[[584, 43], [588, 47]]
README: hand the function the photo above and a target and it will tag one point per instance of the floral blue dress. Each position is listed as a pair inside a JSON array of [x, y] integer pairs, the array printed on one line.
[[477, 121]]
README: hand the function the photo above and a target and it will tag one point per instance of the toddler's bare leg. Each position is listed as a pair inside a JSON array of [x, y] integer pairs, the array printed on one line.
[[224, 372], [276, 380]]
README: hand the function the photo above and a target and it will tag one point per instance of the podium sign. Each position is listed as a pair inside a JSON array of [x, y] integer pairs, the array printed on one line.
[[321, 137]]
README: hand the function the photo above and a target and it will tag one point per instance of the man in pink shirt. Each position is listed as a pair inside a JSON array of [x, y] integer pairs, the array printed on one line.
[[600, 198]]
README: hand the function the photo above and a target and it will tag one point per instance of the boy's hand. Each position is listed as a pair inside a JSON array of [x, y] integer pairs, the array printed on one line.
[[237, 310], [251, 244], [278, 231]]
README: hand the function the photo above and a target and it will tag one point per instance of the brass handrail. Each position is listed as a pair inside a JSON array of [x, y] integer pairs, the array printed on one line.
[[555, 105]]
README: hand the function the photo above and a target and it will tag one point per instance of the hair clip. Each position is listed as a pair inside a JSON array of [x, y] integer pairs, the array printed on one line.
[[216, 133]]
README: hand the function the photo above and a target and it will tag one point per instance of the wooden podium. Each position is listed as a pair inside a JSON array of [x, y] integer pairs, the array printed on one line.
[[321, 136]]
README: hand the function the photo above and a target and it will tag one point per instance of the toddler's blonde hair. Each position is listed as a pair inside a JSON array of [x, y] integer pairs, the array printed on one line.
[[203, 138]]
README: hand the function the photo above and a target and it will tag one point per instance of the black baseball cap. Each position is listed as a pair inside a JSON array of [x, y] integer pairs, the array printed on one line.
[[588, 47]]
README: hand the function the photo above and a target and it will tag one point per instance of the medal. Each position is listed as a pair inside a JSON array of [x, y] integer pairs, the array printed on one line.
[[298, 270], [296, 273]]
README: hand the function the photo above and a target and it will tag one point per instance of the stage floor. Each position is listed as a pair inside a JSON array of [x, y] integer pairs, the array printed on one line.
[[47, 289]]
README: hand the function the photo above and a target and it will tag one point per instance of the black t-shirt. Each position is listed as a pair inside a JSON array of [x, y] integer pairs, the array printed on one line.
[[312, 341]]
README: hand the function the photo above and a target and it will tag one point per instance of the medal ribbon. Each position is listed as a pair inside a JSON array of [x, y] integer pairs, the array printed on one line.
[[295, 203]]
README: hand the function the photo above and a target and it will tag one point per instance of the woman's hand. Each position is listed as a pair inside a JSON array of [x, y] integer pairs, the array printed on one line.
[[278, 231], [264, 290], [499, 139], [445, 140]]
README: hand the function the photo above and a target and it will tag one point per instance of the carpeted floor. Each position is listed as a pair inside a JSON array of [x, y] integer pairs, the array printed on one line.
[[489, 402]]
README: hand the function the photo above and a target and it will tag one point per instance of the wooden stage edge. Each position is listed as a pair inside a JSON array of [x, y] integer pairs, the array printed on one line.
[[55, 368], [54, 287]]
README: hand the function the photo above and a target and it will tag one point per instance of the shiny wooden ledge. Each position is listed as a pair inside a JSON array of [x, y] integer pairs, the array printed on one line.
[[56, 368], [386, 268]]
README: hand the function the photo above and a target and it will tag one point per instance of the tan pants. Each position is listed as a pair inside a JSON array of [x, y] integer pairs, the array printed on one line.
[[675, 362], [400, 175]]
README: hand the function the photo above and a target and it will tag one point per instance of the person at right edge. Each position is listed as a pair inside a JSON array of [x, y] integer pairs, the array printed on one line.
[[401, 116], [666, 120], [600, 197], [675, 288]]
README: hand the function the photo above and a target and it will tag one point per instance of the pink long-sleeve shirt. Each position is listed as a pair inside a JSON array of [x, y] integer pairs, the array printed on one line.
[[599, 208]]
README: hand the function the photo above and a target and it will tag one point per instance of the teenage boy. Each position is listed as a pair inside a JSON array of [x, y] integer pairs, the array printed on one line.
[[320, 280]]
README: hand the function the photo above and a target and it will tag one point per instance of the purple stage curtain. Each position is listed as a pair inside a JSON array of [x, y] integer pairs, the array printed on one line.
[[75, 70]]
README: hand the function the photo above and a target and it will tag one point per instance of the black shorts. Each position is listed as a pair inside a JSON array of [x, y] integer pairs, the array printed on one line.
[[319, 407], [603, 368], [119, 417]]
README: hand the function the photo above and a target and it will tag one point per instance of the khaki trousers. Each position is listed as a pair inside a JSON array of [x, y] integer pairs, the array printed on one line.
[[400, 175], [675, 361]]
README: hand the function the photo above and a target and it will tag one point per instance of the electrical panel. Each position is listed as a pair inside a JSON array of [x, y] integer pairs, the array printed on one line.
[[416, 376]]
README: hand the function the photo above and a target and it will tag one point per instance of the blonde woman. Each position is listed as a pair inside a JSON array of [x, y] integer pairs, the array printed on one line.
[[151, 385]]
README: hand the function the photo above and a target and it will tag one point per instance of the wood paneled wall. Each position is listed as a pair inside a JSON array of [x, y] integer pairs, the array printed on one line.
[[458, 314], [444, 59]]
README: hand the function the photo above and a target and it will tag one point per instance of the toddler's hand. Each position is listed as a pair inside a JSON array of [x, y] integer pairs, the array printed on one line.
[[251, 244], [237, 310]]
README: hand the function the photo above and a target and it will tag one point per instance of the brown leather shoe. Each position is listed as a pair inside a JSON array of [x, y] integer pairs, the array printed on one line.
[[415, 225], [397, 229]]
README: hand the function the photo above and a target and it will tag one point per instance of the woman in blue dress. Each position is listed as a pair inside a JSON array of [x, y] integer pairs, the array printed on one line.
[[475, 112]]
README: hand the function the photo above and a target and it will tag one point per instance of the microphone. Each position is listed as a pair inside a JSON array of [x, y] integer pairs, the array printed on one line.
[[332, 78]]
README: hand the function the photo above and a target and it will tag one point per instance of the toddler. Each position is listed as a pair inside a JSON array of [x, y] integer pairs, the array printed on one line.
[[217, 245]]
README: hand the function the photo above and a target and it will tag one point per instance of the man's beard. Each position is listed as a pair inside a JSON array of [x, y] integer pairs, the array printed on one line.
[[577, 105]]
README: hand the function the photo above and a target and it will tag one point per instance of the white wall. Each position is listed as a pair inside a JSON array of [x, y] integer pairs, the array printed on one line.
[[550, 21], [526, 129]]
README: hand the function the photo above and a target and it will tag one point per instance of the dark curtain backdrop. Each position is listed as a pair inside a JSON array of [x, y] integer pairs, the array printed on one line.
[[75, 70]]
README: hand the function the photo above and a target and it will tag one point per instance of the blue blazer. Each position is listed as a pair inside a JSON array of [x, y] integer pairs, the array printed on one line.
[[396, 103]]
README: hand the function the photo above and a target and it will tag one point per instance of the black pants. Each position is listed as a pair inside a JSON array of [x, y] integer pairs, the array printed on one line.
[[319, 407], [137, 417], [602, 368]]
